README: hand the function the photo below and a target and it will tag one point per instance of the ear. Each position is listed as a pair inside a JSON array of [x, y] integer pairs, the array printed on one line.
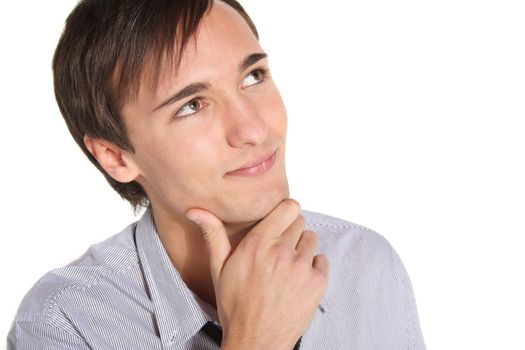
[[116, 162]]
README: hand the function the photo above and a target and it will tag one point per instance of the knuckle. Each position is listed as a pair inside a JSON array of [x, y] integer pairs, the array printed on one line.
[[292, 203], [310, 237], [322, 259], [207, 234], [321, 265], [254, 245], [303, 264], [300, 221], [281, 252], [311, 234]]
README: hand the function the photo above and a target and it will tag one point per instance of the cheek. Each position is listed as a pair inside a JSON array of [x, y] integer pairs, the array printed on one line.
[[180, 173], [188, 159], [176, 155], [272, 109]]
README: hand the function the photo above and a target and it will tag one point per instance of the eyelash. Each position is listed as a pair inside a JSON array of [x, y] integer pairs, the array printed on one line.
[[265, 72]]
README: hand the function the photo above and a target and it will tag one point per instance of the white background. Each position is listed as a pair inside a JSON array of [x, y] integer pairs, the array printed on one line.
[[404, 116]]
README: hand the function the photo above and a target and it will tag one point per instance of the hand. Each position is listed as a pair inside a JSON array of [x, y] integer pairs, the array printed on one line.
[[268, 288]]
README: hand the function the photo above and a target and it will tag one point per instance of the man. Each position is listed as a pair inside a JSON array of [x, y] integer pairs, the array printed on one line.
[[174, 102]]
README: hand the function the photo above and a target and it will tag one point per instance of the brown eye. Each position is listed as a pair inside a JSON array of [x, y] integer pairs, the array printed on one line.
[[194, 104], [190, 107], [256, 76]]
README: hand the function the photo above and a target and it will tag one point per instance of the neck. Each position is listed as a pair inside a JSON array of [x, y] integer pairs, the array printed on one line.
[[185, 245]]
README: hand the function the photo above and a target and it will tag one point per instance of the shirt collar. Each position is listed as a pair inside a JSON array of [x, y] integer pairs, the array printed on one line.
[[179, 312]]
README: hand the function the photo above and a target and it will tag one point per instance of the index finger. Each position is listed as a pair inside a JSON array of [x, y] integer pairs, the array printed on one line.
[[277, 221]]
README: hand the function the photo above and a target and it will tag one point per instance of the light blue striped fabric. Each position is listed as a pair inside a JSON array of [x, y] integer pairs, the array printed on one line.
[[124, 293]]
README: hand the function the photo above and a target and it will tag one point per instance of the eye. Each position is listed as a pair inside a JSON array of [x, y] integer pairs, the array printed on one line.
[[255, 77], [190, 107]]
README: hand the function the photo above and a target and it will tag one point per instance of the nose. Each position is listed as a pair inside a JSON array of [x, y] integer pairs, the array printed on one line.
[[244, 124]]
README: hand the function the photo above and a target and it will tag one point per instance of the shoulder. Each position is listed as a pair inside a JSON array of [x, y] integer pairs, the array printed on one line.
[[367, 283], [338, 235], [356, 253], [102, 261]]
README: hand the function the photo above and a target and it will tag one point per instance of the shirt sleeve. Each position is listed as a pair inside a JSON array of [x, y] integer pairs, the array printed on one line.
[[40, 335], [414, 334]]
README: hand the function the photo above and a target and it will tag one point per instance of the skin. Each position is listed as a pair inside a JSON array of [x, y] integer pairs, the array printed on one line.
[[182, 162], [238, 242]]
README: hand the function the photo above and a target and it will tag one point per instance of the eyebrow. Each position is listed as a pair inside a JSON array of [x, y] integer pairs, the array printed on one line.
[[196, 87], [251, 59]]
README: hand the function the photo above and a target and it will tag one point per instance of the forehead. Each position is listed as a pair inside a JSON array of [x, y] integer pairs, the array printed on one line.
[[222, 40]]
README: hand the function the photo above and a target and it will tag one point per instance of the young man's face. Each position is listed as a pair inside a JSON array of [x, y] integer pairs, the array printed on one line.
[[185, 149]]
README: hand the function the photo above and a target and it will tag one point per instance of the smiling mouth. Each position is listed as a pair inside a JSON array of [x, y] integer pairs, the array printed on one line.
[[257, 169]]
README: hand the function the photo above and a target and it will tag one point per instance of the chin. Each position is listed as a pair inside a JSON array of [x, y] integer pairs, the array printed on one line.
[[256, 208]]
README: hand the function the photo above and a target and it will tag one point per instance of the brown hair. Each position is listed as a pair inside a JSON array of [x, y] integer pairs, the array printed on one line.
[[100, 60]]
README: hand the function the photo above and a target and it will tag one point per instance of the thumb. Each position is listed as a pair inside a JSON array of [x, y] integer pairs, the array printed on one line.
[[216, 238]]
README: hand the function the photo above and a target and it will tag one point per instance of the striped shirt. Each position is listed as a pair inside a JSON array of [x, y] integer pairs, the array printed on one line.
[[124, 293]]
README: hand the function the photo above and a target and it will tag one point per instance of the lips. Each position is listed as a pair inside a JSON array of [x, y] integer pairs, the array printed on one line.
[[260, 165]]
